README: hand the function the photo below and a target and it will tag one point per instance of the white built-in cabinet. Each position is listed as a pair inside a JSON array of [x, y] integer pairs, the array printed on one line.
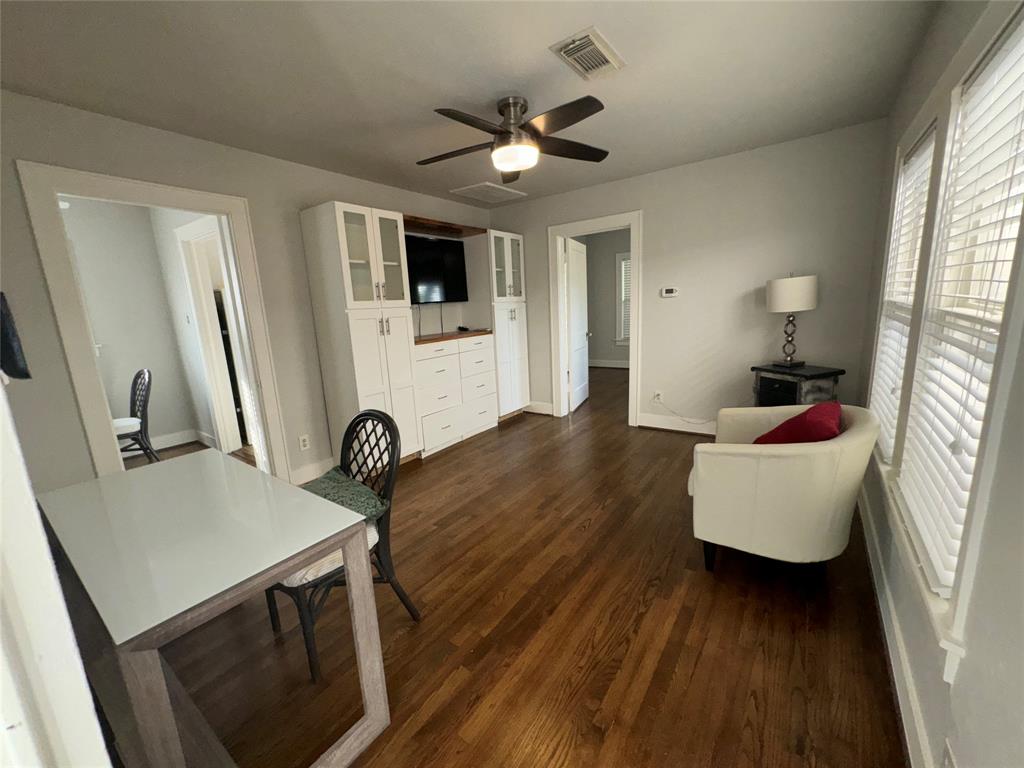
[[496, 279], [508, 281], [359, 287]]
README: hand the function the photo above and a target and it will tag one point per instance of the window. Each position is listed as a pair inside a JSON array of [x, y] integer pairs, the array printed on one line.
[[898, 290], [976, 241], [623, 280]]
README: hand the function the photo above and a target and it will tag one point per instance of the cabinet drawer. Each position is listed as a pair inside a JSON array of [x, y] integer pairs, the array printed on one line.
[[480, 414], [477, 361], [438, 349], [437, 398], [442, 427], [476, 342], [438, 372], [478, 385]]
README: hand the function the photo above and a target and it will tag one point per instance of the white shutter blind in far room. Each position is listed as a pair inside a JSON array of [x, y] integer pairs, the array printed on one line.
[[898, 290], [626, 276], [971, 266]]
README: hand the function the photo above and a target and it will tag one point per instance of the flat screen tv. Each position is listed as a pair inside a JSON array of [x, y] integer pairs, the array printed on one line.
[[437, 269]]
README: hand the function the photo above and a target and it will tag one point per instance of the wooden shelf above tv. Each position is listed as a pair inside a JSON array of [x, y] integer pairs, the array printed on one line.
[[421, 226]]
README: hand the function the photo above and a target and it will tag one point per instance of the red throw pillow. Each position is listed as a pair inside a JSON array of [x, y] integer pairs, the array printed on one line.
[[817, 423]]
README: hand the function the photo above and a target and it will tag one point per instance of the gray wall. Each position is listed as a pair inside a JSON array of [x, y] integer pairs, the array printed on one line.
[[129, 314], [718, 230], [44, 407], [602, 279], [980, 713]]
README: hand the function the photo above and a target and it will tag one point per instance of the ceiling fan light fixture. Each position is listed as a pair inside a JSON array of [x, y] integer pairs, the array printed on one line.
[[515, 153]]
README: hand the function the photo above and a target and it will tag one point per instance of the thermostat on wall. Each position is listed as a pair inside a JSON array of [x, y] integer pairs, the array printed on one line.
[[668, 293]]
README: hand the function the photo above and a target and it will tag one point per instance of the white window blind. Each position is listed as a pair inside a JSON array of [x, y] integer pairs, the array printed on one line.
[[978, 226], [898, 290], [625, 277]]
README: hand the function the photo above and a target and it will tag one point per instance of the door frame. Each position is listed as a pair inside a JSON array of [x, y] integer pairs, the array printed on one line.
[[41, 184], [557, 234], [211, 345]]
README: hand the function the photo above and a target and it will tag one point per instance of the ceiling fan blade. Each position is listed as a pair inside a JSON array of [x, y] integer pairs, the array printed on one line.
[[562, 117], [509, 177], [454, 153], [552, 145], [472, 121]]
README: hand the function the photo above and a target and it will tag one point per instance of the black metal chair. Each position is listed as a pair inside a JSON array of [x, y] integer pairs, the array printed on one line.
[[135, 428], [370, 454]]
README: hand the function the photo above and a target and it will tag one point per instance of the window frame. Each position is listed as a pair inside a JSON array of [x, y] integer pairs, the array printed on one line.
[[941, 108], [621, 338]]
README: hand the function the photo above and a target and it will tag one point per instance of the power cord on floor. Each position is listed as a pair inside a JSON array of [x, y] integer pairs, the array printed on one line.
[[659, 400]]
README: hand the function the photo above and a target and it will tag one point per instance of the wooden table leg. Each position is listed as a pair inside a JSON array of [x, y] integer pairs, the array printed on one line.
[[143, 673], [366, 634]]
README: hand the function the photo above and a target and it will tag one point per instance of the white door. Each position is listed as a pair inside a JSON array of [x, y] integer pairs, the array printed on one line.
[[369, 357], [201, 251], [505, 344], [389, 237], [579, 352], [398, 342], [358, 255]]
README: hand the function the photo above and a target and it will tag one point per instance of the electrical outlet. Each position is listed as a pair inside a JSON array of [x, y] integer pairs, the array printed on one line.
[[657, 395], [303, 442]]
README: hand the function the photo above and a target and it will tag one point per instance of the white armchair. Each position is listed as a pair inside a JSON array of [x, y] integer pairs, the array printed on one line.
[[789, 502]]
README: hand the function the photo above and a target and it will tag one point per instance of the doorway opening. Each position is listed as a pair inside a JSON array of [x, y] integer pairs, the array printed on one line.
[[153, 282], [595, 274]]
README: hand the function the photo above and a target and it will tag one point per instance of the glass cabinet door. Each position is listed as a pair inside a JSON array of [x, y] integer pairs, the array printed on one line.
[[515, 265], [501, 278], [392, 255], [358, 256]]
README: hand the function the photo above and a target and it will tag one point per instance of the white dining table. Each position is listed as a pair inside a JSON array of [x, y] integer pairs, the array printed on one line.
[[167, 547]]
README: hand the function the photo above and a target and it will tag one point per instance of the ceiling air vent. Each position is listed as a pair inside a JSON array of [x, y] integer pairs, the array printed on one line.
[[588, 54], [489, 192]]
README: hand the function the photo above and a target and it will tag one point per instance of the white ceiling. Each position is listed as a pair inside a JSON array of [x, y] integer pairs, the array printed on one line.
[[351, 87]]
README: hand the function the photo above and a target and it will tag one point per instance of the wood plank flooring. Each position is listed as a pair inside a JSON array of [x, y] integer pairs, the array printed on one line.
[[568, 622]]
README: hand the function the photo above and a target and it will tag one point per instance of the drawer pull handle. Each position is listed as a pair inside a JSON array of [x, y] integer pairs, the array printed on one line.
[[480, 413], [441, 397], [480, 386], [441, 371], [446, 426]]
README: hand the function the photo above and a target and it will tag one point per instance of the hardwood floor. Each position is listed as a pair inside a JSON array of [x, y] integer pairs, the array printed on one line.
[[568, 622], [245, 453]]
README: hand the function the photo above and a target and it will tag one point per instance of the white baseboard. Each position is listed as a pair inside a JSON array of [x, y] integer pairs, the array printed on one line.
[[207, 439], [174, 438], [609, 363], [906, 692], [677, 423], [545, 409], [312, 471]]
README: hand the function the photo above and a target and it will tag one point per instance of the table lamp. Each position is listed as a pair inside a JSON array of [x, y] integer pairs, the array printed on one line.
[[791, 295]]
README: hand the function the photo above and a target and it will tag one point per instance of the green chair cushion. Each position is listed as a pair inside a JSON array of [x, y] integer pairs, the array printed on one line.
[[335, 486]]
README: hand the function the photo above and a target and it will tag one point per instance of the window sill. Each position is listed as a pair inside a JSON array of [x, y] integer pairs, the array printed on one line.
[[939, 609]]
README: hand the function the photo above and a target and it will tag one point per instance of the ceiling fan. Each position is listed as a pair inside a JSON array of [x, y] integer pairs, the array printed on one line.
[[517, 142]]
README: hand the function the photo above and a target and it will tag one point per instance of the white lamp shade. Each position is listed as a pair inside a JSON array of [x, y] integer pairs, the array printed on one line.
[[792, 294]]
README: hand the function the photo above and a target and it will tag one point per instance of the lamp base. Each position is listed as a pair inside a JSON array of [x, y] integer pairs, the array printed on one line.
[[789, 363]]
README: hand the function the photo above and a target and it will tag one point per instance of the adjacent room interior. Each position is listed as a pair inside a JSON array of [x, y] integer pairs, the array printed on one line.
[[486, 384]]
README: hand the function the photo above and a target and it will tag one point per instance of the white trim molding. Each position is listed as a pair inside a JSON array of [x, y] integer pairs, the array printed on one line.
[[557, 234], [41, 184], [544, 409]]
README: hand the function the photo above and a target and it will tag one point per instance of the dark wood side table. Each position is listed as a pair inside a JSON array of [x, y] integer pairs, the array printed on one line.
[[779, 385]]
